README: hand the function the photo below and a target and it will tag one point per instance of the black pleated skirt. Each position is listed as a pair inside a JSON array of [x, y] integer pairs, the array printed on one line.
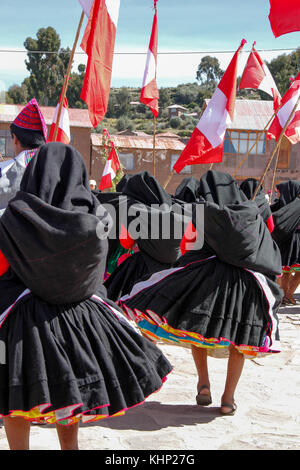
[[78, 361], [129, 272], [208, 303]]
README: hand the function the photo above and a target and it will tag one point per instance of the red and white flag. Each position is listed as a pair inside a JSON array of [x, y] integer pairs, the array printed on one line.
[[256, 75], [99, 42], [63, 131], [110, 170], [206, 142], [284, 16], [288, 103], [149, 92]]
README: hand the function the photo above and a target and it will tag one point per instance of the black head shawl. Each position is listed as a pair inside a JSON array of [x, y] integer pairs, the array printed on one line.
[[144, 188], [53, 233], [233, 229], [249, 187], [122, 183], [289, 191], [286, 211], [220, 188], [188, 190]]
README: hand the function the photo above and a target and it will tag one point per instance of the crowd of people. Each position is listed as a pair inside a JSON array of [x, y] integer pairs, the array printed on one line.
[[91, 282]]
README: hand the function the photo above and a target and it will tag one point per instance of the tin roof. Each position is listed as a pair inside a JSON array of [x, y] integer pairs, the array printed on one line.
[[78, 117], [141, 142], [251, 114]]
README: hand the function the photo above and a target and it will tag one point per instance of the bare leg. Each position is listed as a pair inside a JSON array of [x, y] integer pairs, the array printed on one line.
[[68, 436], [284, 282], [17, 432], [200, 359], [294, 282], [234, 370]]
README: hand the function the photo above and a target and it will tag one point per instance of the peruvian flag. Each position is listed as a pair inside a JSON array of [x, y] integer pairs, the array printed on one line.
[[110, 170], [149, 92], [63, 131], [98, 42], [206, 142], [256, 75], [287, 105], [284, 16]]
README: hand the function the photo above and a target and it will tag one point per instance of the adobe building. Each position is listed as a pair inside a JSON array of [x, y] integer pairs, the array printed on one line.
[[245, 134], [80, 128], [135, 151]]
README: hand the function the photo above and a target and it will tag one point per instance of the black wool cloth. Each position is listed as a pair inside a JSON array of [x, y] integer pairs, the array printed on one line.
[[66, 344], [248, 187], [188, 190], [286, 216], [153, 208], [216, 293]]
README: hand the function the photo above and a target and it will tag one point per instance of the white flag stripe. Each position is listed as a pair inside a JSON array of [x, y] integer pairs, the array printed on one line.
[[109, 170], [64, 123], [86, 6], [215, 119], [267, 84], [150, 69], [113, 7], [284, 113]]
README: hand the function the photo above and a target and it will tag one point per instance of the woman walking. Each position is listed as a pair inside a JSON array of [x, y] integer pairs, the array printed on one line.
[[221, 299], [70, 355]]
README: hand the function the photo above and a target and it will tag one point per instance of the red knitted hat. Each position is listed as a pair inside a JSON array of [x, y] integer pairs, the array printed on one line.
[[31, 118]]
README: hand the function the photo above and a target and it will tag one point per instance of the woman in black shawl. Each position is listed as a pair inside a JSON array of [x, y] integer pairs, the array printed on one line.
[[144, 200], [286, 215], [222, 297], [70, 355]]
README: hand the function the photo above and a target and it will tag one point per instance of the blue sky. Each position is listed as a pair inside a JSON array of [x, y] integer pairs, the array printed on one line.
[[183, 26]]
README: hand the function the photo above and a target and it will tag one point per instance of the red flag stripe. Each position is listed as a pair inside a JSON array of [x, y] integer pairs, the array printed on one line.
[[256, 75], [149, 92], [284, 16], [110, 170], [63, 132], [99, 42], [206, 142], [287, 104]]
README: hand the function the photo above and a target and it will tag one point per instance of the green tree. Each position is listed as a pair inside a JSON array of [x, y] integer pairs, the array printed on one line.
[[283, 68], [18, 94], [185, 94], [123, 99], [47, 63], [75, 87], [209, 72]]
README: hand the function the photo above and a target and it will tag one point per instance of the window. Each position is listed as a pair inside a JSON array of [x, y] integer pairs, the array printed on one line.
[[6, 146], [186, 169], [242, 142], [127, 160]]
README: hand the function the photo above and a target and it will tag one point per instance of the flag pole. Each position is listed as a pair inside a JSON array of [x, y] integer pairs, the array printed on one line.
[[154, 118], [274, 174], [66, 81], [276, 148], [169, 179], [154, 143]]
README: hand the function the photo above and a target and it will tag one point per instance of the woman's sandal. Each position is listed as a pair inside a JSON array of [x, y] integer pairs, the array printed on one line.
[[203, 399], [232, 409]]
